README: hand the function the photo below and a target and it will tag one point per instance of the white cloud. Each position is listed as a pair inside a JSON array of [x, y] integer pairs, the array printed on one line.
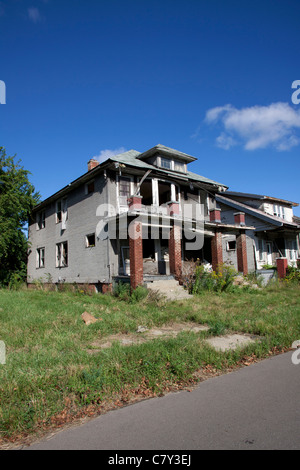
[[108, 153], [256, 127], [34, 14]]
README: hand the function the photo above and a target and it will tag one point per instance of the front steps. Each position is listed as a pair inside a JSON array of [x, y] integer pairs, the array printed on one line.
[[169, 288]]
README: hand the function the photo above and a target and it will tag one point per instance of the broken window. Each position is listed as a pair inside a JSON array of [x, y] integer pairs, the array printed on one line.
[[40, 258], [90, 240], [62, 212], [231, 245], [62, 254], [40, 220]]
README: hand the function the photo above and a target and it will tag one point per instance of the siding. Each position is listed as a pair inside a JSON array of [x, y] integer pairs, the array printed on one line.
[[84, 264]]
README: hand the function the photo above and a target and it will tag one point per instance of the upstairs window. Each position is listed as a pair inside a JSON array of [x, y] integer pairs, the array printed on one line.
[[179, 166], [62, 212], [90, 187], [166, 163], [40, 220], [124, 190], [174, 165], [278, 211]]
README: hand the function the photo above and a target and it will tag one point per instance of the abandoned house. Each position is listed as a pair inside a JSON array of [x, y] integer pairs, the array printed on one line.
[[139, 216]]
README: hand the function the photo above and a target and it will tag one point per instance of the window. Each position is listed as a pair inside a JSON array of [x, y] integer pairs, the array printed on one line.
[[58, 212], [40, 258], [179, 166], [278, 211], [90, 187], [40, 220], [293, 252], [124, 187], [261, 250], [90, 240], [166, 163], [231, 245], [62, 255], [62, 212], [124, 190]]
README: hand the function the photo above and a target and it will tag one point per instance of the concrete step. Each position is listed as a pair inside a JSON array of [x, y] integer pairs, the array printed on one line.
[[171, 289]]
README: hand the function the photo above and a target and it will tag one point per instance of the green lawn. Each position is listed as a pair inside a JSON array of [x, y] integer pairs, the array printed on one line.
[[50, 375]]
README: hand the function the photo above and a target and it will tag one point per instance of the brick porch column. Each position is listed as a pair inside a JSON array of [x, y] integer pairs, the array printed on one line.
[[175, 251], [241, 253], [216, 250], [282, 264], [136, 254]]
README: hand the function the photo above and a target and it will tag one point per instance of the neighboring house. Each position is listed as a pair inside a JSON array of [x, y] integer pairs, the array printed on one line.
[[139, 215], [276, 232]]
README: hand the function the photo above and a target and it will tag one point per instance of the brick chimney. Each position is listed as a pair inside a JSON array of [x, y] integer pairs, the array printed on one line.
[[92, 163]]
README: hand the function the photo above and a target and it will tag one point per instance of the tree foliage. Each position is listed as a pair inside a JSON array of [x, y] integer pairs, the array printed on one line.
[[17, 198]]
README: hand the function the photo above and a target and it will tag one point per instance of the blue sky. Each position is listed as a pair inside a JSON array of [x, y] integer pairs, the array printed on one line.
[[210, 78]]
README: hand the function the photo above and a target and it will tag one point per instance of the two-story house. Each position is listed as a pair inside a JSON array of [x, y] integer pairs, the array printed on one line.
[[133, 216], [276, 230]]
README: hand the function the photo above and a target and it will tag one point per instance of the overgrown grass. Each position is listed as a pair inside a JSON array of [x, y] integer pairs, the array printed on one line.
[[50, 373]]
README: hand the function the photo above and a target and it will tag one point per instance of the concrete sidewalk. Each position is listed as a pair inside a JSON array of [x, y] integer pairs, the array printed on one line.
[[256, 407]]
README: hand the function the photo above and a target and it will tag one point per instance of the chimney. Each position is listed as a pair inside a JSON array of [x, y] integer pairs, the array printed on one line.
[[92, 163]]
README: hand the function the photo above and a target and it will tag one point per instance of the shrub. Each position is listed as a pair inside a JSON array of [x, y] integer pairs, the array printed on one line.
[[217, 281], [292, 275], [123, 292]]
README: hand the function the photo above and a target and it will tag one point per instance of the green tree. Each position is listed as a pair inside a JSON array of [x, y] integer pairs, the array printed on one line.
[[17, 198]]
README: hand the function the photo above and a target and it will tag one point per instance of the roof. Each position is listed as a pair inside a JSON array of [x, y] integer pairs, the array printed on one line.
[[272, 219], [133, 158], [261, 197], [167, 152]]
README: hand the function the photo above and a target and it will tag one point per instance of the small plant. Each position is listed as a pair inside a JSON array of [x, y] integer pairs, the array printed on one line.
[[218, 328], [124, 292], [217, 281], [292, 275]]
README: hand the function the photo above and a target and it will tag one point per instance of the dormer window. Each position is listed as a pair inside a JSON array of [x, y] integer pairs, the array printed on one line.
[[166, 163], [179, 166], [278, 211], [174, 165]]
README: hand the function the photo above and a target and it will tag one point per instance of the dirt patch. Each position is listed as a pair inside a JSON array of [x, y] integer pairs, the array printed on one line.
[[230, 342], [144, 334]]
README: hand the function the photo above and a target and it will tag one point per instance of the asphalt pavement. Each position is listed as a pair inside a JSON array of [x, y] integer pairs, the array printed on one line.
[[255, 407]]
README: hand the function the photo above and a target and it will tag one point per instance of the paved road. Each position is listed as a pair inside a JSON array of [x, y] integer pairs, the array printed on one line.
[[256, 407]]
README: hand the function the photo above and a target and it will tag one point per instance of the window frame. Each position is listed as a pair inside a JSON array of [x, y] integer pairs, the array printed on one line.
[[61, 254], [41, 220], [87, 243], [40, 257]]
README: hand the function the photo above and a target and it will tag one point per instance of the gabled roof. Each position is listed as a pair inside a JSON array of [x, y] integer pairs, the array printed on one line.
[[272, 219]]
